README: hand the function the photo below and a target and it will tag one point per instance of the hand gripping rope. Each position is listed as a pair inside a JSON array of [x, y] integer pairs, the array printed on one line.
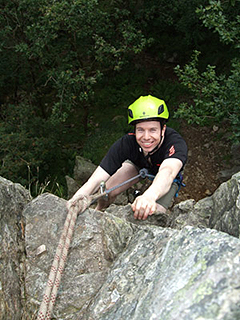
[[56, 271]]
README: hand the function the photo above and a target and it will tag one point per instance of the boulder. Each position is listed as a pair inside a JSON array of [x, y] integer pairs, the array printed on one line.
[[165, 274], [233, 165], [220, 211], [72, 186], [13, 198], [90, 255], [121, 268], [82, 171]]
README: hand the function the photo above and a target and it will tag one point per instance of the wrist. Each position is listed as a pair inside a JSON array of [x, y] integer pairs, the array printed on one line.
[[150, 194]]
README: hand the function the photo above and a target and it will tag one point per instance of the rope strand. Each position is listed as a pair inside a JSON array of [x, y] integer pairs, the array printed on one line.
[[60, 258]]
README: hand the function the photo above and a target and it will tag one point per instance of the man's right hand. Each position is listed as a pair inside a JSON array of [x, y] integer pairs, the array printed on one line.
[[79, 203]]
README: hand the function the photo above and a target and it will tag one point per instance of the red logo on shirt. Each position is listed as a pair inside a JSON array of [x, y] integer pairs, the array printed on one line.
[[171, 151]]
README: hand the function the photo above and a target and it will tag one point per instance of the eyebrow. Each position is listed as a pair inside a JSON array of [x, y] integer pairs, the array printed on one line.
[[155, 127]]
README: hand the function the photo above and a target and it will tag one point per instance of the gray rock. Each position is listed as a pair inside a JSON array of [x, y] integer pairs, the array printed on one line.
[[13, 198], [81, 173], [225, 215], [72, 186], [121, 268], [168, 274], [221, 211], [190, 213], [98, 239], [83, 169], [233, 166], [126, 213]]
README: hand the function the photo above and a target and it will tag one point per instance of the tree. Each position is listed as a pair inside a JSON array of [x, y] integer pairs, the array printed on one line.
[[215, 97], [62, 48], [53, 53]]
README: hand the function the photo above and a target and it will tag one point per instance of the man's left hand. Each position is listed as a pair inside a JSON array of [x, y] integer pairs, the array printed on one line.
[[143, 206]]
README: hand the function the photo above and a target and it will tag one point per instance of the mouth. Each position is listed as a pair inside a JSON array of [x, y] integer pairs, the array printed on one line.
[[147, 144]]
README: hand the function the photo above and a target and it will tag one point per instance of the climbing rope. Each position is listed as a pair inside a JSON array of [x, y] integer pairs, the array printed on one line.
[[54, 279]]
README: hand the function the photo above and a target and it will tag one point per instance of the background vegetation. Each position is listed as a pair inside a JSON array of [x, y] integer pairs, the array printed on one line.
[[70, 68]]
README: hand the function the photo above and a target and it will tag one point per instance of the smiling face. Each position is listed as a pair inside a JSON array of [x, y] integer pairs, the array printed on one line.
[[148, 135]]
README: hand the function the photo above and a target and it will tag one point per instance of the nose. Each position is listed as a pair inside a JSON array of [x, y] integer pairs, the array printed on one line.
[[146, 135]]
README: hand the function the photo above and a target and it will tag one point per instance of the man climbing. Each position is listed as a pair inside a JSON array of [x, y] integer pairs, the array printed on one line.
[[153, 146]]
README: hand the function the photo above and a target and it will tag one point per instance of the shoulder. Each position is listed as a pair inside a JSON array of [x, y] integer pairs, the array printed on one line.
[[174, 146], [170, 132], [123, 145], [173, 136], [127, 139]]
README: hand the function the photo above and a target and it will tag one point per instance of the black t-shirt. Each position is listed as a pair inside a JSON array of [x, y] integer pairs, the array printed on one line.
[[127, 148]]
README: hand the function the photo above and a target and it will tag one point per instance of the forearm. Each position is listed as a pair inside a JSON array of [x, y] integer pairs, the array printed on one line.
[[92, 185], [87, 189], [161, 184]]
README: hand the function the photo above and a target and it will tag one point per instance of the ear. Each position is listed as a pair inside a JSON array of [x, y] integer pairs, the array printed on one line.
[[163, 130]]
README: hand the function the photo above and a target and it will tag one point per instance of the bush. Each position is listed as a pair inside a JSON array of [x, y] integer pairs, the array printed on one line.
[[214, 97], [30, 149]]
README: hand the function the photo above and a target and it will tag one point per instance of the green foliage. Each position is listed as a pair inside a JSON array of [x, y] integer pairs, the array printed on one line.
[[30, 150], [98, 143], [174, 27], [170, 91], [214, 97], [53, 54], [65, 47], [109, 117], [223, 20]]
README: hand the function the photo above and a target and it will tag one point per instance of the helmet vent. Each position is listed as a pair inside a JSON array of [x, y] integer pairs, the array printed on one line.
[[130, 113], [160, 109]]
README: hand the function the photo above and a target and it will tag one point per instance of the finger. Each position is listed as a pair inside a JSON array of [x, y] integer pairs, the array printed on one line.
[[138, 209], [136, 212], [133, 205], [147, 212], [151, 208], [143, 211], [139, 214]]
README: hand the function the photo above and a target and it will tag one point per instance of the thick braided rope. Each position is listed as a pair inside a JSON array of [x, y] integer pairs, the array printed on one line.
[[54, 279], [53, 271]]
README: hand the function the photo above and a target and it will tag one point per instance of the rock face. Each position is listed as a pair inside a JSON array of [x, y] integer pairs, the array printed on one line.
[[221, 211], [119, 268], [82, 171], [167, 274], [13, 198]]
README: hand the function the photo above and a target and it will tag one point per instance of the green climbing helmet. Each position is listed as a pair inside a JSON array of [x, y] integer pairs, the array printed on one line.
[[147, 108]]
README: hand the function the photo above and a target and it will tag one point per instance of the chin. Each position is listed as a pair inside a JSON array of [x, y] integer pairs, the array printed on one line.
[[147, 150]]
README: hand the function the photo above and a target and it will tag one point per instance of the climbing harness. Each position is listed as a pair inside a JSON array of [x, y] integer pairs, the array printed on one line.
[[79, 206], [179, 181]]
